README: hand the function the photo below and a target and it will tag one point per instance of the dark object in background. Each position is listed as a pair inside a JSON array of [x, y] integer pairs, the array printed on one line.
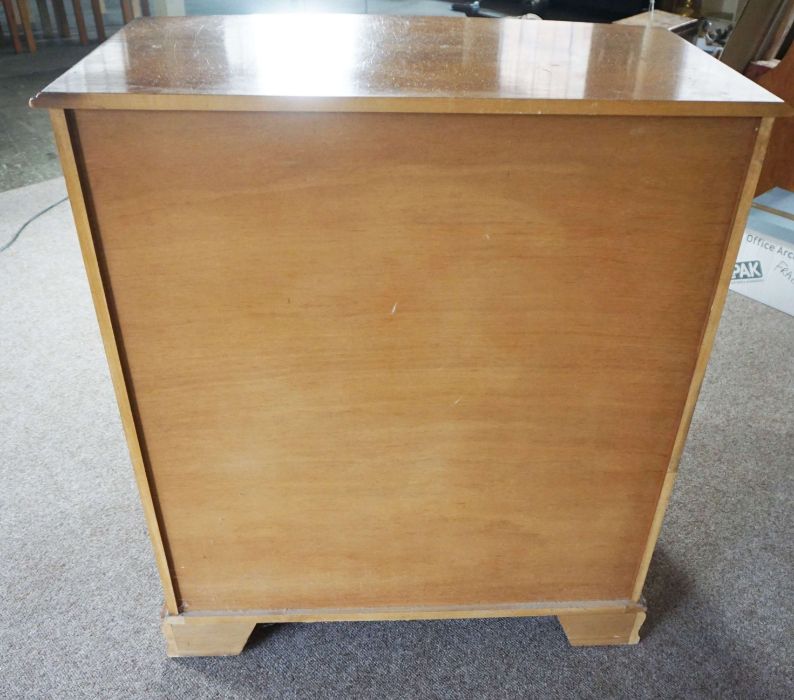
[[499, 10], [474, 9], [687, 8], [606, 10], [570, 10]]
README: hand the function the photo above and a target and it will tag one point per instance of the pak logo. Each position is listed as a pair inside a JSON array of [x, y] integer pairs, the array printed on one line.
[[748, 270]]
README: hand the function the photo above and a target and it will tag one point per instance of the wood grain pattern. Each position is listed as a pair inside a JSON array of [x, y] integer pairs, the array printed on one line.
[[206, 638], [127, 12], [13, 29], [99, 20], [59, 10], [752, 28], [588, 622], [732, 244], [79, 19], [419, 64], [44, 19], [64, 142], [333, 341], [603, 629], [24, 19], [415, 612]]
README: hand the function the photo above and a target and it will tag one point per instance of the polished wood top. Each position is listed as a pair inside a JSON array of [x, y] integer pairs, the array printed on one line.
[[403, 64]]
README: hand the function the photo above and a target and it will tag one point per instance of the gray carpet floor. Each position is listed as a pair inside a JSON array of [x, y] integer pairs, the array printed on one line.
[[81, 598], [27, 148]]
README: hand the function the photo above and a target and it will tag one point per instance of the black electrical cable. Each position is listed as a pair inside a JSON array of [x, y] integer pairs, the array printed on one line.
[[28, 222]]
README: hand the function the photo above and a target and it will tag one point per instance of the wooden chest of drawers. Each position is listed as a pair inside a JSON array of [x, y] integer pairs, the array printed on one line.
[[406, 317]]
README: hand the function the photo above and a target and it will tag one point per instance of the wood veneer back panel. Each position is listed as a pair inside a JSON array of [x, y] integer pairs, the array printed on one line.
[[408, 359]]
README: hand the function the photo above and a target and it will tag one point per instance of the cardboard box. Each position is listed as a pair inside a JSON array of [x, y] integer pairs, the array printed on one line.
[[764, 268]]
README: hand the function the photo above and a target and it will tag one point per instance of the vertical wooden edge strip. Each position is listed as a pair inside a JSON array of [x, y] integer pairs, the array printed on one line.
[[653, 535], [706, 343], [64, 143], [724, 281]]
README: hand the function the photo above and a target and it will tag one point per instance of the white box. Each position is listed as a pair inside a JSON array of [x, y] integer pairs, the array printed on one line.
[[764, 268]]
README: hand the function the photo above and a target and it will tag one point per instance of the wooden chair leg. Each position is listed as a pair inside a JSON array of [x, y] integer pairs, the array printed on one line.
[[602, 629], [24, 17], [60, 18], [13, 30], [78, 16], [186, 637], [127, 15], [99, 20], [44, 18]]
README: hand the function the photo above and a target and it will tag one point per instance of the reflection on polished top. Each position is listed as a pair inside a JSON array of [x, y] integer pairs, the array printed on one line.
[[416, 64]]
